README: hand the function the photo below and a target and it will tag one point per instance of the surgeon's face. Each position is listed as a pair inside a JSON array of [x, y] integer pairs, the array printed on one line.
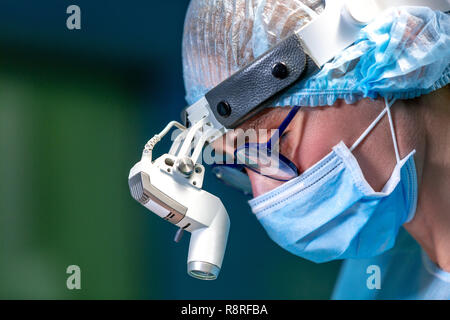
[[315, 131]]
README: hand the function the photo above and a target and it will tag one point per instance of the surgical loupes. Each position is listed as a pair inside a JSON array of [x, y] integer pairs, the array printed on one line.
[[171, 187]]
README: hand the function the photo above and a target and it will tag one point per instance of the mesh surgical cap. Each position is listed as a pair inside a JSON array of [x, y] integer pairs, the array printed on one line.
[[402, 54]]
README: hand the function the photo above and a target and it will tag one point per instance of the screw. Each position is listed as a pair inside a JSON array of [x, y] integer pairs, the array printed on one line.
[[185, 166], [223, 108], [279, 70]]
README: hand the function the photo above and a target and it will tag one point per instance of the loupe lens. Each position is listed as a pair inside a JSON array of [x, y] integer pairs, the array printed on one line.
[[203, 270], [266, 162], [233, 177], [202, 275]]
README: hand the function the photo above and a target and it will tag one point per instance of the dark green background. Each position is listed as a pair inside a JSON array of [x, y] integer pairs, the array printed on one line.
[[76, 108]]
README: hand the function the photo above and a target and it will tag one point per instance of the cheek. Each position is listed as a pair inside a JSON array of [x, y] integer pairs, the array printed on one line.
[[261, 184], [312, 140], [323, 130]]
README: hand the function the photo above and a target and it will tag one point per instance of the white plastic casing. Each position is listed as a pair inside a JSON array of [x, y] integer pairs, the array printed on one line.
[[339, 25], [206, 217]]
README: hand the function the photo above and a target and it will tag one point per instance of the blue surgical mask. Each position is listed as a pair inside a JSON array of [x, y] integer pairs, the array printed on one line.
[[331, 212]]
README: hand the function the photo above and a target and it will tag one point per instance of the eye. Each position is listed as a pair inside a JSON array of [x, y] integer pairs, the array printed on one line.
[[284, 142], [284, 135]]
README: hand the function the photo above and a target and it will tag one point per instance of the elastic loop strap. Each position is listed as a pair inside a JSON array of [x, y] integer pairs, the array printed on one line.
[[391, 125], [367, 131], [387, 109]]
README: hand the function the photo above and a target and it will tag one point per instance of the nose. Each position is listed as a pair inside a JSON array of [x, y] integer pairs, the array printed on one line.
[[261, 184]]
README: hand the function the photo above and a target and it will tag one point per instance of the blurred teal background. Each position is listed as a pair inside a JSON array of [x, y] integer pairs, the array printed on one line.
[[76, 107]]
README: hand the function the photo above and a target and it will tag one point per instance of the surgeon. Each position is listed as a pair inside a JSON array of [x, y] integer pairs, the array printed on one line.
[[368, 135]]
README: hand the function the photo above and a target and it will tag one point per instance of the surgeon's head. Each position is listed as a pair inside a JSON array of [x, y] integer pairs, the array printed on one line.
[[359, 140]]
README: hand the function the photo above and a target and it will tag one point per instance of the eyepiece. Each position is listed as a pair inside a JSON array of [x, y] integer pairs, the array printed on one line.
[[203, 270]]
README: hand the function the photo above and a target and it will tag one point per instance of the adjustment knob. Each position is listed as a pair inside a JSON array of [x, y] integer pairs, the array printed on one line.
[[185, 166]]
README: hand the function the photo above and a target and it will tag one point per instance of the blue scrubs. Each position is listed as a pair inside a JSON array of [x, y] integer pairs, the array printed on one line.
[[406, 272]]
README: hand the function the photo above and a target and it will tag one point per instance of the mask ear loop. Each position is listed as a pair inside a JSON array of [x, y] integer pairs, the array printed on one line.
[[391, 125], [388, 105]]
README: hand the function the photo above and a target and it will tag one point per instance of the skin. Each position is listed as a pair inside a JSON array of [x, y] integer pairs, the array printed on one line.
[[422, 124]]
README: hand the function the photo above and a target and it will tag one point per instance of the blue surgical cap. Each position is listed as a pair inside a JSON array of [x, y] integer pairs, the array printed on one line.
[[404, 53]]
